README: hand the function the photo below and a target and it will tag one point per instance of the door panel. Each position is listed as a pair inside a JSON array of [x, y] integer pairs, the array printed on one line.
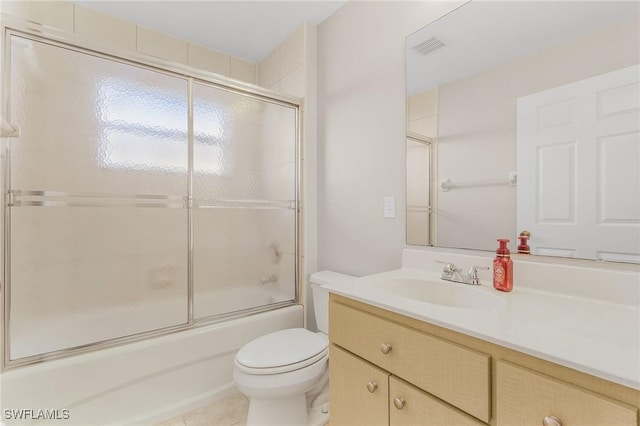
[[84, 275], [579, 168], [244, 190]]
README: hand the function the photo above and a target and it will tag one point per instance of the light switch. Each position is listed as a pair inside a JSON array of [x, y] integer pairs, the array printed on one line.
[[390, 207]]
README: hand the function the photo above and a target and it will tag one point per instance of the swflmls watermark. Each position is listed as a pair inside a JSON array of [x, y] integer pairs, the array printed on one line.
[[35, 414]]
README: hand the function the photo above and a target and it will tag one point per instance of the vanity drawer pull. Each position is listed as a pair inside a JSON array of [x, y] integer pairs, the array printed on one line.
[[372, 386], [399, 402], [551, 421], [385, 348]]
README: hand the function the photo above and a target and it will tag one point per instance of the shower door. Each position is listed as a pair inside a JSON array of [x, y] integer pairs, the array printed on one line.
[[138, 200], [97, 214], [244, 198]]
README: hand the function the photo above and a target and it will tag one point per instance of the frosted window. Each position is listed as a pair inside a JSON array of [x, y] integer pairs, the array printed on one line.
[[141, 130]]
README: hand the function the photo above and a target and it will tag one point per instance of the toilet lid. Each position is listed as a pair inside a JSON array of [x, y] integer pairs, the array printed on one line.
[[281, 348]]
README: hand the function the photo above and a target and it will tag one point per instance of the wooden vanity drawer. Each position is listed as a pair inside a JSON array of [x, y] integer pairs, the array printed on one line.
[[454, 374], [360, 387], [419, 408], [525, 397]]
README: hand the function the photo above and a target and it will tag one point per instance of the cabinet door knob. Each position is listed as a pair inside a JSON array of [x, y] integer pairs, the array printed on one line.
[[372, 386], [551, 421], [399, 402], [385, 348]]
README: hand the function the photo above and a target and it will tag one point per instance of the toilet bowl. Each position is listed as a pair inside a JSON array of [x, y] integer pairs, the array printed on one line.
[[285, 374]]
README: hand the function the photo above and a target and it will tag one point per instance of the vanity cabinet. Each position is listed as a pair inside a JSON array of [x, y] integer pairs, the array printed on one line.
[[388, 369], [432, 369], [526, 398], [370, 396]]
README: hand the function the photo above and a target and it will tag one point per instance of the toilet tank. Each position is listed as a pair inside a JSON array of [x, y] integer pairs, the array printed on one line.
[[321, 295]]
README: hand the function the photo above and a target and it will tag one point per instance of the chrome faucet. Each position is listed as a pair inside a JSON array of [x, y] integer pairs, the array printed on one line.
[[451, 272]]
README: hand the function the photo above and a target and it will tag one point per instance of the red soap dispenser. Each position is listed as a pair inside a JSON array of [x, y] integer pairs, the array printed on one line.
[[503, 267]]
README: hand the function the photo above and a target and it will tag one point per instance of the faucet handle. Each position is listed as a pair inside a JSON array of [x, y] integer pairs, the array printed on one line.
[[473, 274], [448, 267]]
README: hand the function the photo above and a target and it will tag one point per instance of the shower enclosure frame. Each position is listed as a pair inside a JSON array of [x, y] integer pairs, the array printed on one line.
[[19, 27]]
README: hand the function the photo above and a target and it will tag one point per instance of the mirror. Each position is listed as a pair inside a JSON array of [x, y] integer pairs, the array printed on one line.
[[532, 112]]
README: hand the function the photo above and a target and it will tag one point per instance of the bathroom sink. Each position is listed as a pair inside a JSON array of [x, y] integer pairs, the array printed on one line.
[[439, 293]]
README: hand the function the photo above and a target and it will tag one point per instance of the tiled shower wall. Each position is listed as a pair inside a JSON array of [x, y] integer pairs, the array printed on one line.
[[283, 69], [71, 18]]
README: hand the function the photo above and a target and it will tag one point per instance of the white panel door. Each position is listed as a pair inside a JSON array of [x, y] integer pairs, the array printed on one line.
[[578, 153]]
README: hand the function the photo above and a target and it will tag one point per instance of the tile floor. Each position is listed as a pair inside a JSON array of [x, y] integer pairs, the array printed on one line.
[[229, 411]]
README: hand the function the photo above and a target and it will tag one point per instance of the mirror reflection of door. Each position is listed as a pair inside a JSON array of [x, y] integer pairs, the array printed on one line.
[[465, 72], [419, 189], [579, 159]]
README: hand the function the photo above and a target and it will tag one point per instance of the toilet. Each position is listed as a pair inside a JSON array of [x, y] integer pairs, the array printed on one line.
[[285, 374]]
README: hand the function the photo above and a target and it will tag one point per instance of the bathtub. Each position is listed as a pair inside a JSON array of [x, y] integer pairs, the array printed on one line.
[[139, 383]]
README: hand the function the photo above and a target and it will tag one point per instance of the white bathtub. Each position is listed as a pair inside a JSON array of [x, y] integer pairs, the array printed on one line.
[[143, 382]]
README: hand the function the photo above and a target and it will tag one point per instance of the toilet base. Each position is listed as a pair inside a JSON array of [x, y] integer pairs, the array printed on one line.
[[288, 411], [318, 416], [269, 412], [307, 406]]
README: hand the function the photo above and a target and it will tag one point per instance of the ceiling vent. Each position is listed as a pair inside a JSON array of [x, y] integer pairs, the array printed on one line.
[[429, 45]]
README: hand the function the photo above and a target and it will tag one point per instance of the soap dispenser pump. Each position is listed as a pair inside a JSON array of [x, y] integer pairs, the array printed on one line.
[[503, 267]]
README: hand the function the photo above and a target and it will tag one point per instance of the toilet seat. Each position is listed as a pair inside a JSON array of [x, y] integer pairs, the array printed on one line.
[[281, 352]]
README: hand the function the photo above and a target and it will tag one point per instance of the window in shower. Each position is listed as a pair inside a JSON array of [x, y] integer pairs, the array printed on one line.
[[139, 201], [129, 108]]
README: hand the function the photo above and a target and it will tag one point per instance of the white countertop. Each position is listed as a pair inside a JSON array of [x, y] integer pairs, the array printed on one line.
[[590, 335]]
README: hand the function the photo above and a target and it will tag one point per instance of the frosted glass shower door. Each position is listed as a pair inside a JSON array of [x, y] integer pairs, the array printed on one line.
[[97, 212], [244, 189]]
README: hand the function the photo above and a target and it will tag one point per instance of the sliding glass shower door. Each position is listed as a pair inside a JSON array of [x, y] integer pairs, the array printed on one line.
[[139, 200], [244, 217]]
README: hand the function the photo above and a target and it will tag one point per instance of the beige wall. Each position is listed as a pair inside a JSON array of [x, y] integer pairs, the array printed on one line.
[[71, 18], [361, 131], [477, 130]]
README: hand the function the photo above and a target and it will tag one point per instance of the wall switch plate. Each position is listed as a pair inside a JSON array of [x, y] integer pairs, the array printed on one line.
[[390, 207]]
